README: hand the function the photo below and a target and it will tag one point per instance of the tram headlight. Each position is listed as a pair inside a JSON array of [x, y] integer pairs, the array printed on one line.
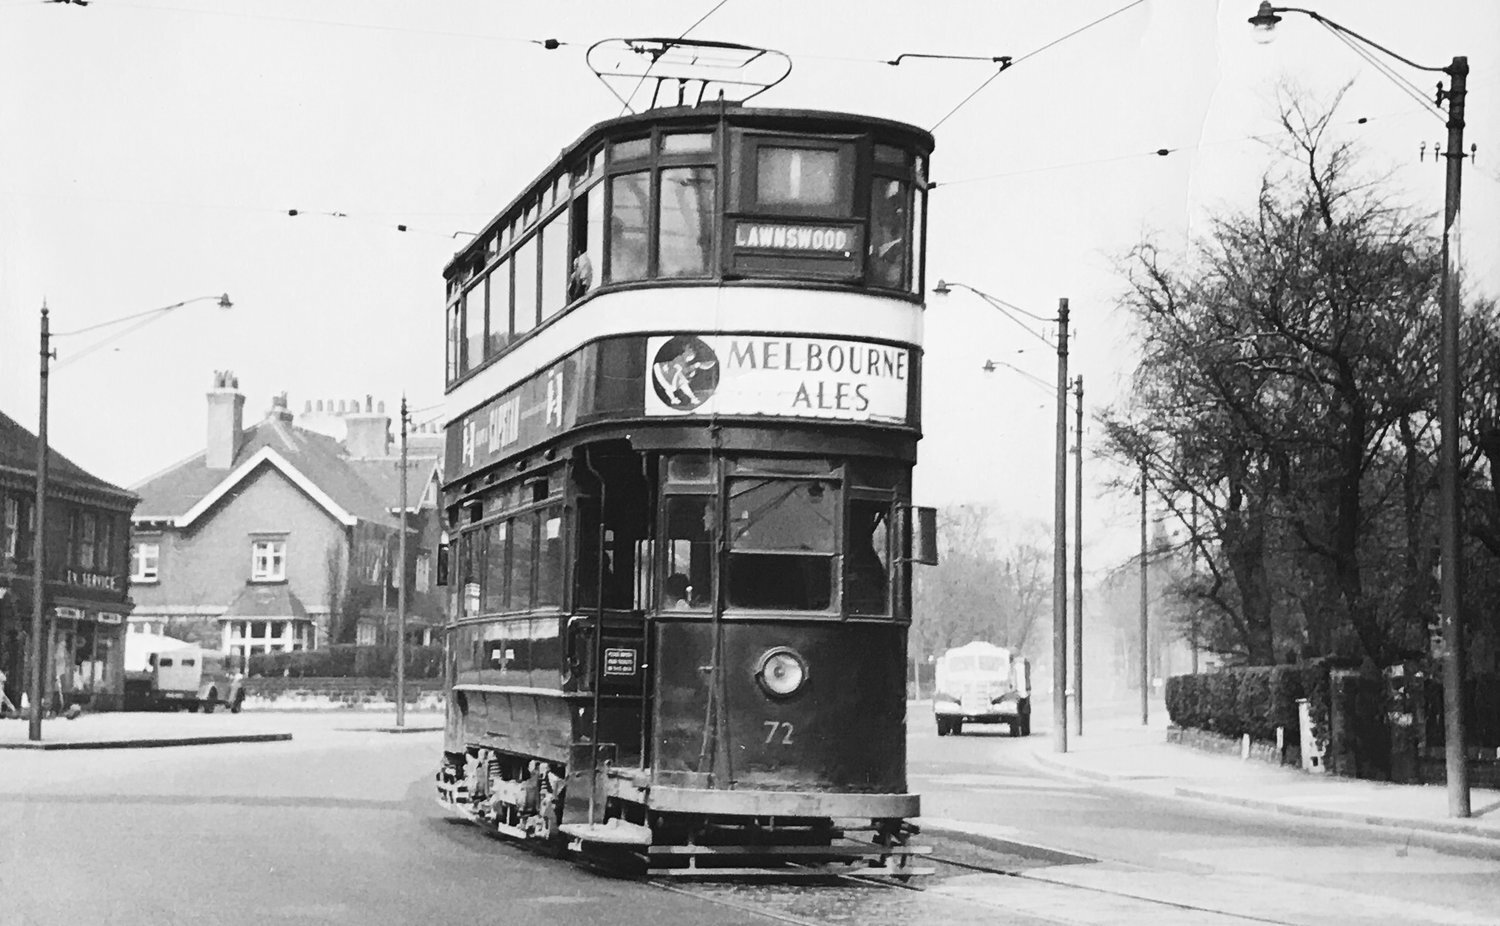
[[781, 672]]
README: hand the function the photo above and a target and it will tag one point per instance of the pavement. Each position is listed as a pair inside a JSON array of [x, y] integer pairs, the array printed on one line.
[[1115, 749], [132, 730], [1122, 752]]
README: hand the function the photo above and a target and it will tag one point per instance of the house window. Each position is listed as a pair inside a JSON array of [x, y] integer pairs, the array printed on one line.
[[144, 562], [424, 572], [266, 636], [268, 561], [10, 527]]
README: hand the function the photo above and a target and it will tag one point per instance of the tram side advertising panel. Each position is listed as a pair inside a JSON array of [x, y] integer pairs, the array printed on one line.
[[687, 374]]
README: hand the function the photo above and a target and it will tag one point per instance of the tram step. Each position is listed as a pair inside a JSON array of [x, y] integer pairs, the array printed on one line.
[[786, 873], [842, 852]]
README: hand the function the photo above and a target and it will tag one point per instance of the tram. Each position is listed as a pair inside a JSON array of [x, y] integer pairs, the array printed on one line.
[[683, 392]]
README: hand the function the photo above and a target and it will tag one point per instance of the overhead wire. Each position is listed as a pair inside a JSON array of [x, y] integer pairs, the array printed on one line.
[[1384, 67], [1031, 54]]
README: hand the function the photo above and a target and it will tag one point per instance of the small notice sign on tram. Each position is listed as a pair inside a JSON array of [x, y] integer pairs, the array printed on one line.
[[784, 376], [619, 661]]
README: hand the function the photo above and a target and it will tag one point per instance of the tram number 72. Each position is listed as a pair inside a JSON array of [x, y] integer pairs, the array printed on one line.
[[778, 732]]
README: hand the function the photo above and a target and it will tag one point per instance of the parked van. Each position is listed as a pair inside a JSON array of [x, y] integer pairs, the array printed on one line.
[[982, 683], [194, 677]]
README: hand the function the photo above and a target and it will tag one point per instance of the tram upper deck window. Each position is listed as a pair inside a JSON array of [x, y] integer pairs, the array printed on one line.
[[687, 222], [687, 143], [630, 196], [781, 543], [631, 149], [890, 223]]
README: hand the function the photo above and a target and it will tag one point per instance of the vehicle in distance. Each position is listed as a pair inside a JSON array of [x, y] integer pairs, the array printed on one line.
[[980, 682]]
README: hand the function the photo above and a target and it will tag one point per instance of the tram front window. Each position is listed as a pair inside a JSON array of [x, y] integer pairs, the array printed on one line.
[[781, 543], [867, 566], [689, 552]]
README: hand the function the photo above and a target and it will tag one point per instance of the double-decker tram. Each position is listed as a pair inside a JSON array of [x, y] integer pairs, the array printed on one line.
[[683, 375]]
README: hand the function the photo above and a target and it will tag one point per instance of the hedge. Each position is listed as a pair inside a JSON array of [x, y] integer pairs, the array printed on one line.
[[1254, 700], [349, 660]]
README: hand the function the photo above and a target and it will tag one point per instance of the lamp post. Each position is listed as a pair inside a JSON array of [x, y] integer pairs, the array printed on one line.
[[1059, 510], [1145, 626], [401, 586], [1449, 512], [1078, 560], [39, 538]]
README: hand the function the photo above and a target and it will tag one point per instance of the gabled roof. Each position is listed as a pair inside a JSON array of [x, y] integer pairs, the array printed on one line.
[[313, 462], [18, 453], [382, 476]]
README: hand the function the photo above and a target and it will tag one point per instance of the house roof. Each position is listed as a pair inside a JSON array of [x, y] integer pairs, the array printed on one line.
[[314, 462], [257, 601], [382, 476], [18, 452]]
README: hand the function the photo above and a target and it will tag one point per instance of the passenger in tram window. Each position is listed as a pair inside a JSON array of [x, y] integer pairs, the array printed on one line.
[[888, 233], [581, 279], [675, 592]]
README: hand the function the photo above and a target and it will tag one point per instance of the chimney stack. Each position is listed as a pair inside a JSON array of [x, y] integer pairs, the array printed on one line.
[[226, 420], [369, 432], [279, 409]]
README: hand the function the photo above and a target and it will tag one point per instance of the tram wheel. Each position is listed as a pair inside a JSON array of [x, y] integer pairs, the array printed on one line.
[[899, 863]]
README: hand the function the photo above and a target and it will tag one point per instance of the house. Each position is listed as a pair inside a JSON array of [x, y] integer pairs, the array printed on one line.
[[86, 598], [284, 535]]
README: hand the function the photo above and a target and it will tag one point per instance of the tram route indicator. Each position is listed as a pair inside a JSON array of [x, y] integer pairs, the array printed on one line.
[[784, 376], [816, 239]]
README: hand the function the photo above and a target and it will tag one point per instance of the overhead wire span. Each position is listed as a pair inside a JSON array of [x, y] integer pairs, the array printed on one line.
[[1031, 54]]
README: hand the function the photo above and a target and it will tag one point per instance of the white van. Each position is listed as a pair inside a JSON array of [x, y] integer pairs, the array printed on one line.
[[982, 683], [194, 677]]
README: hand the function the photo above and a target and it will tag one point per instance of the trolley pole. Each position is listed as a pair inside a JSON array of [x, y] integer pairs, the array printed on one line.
[[401, 586], [1060, 544], [39, 549], [1145, 671], [1078, 558]]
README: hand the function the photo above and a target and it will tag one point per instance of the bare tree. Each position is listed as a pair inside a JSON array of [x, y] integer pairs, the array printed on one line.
[[1285, 394]]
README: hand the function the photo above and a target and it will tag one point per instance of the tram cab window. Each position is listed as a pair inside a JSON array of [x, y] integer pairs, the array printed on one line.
[[688, 555], [630, 199], [867, 558], [781, 543]]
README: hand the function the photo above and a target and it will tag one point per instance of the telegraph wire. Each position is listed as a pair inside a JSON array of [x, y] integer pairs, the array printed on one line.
[[1012, 63], [1157, 152]]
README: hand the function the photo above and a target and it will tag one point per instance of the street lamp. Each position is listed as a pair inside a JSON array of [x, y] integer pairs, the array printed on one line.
[[39, 538], [1060, 505], [1449, 513]]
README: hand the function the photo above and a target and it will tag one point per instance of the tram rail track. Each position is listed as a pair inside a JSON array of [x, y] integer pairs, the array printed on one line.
[[713, 893]]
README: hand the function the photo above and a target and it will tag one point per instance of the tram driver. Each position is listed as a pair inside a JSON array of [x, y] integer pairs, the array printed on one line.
[[675, 592]]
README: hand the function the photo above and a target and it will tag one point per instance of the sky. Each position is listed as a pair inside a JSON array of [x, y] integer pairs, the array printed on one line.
[[150, 153]]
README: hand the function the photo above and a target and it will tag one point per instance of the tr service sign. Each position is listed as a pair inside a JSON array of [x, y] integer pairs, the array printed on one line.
[[762, 375]]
